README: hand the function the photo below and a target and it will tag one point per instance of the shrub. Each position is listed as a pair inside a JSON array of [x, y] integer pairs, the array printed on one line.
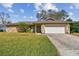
[[23, 26], [1, 30]]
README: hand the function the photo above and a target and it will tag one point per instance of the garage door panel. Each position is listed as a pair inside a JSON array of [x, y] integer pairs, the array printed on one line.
[[54, 29]]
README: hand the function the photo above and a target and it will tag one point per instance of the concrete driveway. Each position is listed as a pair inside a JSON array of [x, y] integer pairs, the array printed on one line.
[[67, 45]]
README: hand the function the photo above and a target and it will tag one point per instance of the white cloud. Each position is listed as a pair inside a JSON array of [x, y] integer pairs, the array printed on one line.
[[10, 10], [22, 10], [70, 13], [38, 6], [24, 17], [45, 6], [7, 5], [71, 7], [49, 6], [76, 5], [31, 17]]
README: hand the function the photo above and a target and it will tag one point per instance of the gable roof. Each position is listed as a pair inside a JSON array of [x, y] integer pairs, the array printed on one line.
[[12, 24], [47, 21], [51, 20], [41, 22], [58, 22]]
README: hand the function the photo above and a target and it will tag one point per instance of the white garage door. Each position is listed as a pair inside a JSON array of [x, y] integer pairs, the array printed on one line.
[[54, 29]]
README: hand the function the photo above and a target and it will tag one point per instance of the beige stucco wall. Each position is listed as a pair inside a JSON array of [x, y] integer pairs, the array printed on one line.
[[67, 27], [11, 29]]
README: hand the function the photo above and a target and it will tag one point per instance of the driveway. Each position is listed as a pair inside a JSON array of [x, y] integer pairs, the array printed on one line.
[[67, 45]]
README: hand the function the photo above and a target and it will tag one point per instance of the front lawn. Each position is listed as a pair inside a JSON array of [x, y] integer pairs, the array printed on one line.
[[25, 44]]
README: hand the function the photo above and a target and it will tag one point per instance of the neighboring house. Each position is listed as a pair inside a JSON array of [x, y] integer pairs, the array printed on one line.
[[43, 27]]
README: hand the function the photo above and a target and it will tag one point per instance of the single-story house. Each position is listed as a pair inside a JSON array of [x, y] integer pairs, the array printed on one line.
[[48, 26], [43, 27], [51, 27]]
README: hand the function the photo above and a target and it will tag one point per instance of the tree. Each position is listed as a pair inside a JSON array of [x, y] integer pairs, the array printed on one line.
[[42, 15], [9, 22], [74, 25], [70, 20], [63, 15], [51, 11], [4, 17], [23, 26], [60, 15]]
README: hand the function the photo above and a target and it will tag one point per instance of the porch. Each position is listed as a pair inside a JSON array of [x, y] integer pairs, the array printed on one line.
[[36, 28]]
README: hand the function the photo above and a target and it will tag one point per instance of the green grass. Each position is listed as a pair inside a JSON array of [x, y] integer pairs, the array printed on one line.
[[77, 34], [25, 44]]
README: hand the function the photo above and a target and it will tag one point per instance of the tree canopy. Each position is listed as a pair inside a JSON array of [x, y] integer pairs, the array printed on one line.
[[4, 17], [42, 15], [74, 25], [60, 15]]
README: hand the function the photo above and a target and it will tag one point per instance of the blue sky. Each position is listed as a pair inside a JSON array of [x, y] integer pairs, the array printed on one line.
[[27, 11]]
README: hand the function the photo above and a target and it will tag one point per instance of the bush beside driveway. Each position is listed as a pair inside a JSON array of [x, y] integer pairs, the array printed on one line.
[[76, 34]]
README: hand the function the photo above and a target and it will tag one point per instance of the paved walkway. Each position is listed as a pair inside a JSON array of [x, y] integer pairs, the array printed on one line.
[[67, 45]]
